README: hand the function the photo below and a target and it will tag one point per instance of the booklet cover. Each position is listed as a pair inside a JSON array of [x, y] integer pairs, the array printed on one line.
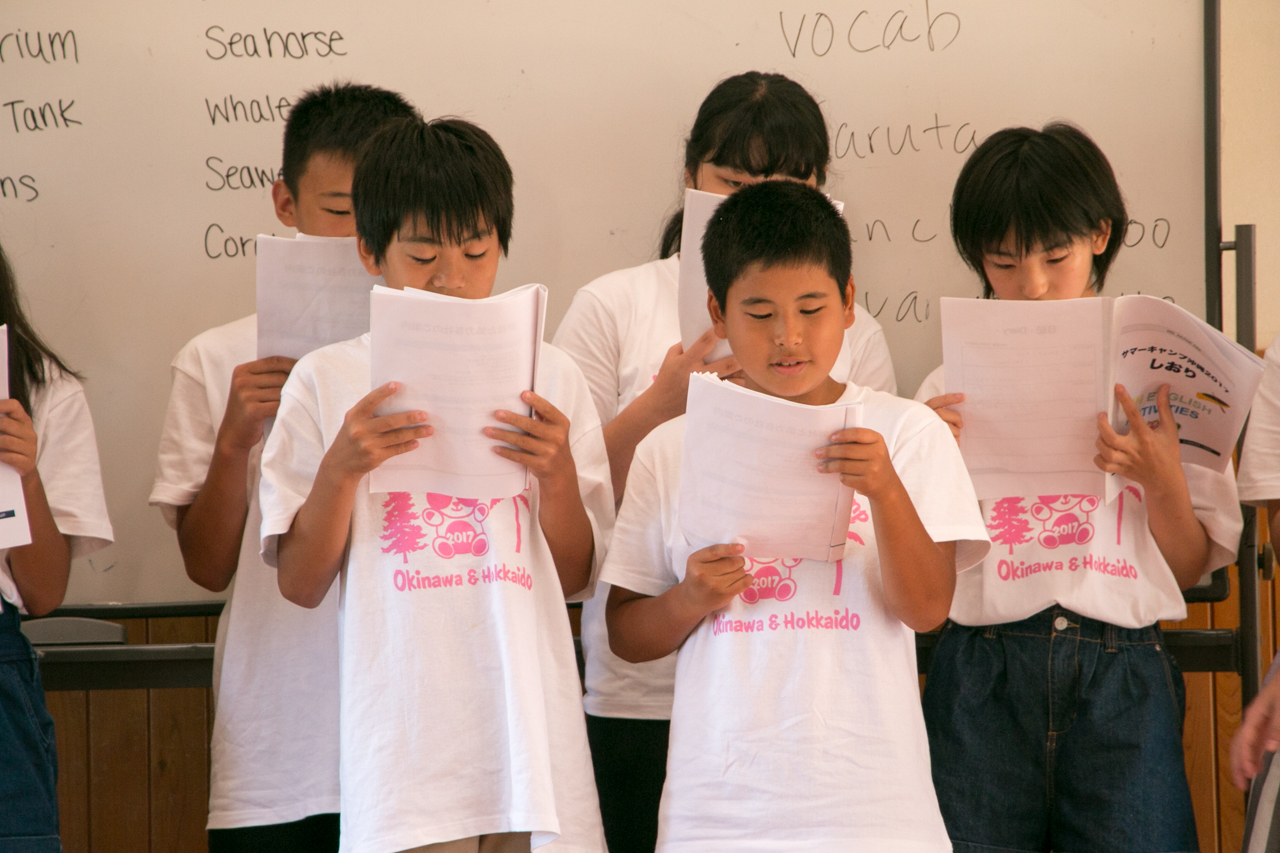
[[15, 530]]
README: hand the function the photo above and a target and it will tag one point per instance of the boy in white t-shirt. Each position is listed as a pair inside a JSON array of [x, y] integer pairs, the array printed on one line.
[[274, 753], [461, 710], [796, 725]]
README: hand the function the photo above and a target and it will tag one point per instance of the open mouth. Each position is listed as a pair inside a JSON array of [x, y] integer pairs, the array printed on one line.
[[789, 366]]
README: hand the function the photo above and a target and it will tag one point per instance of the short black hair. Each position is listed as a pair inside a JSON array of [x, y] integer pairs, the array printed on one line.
[[775, 223], [446, 174], [337, 119], [1049, 187], [761, 124]]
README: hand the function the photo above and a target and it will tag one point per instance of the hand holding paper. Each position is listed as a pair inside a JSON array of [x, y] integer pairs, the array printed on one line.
[[366, 440]]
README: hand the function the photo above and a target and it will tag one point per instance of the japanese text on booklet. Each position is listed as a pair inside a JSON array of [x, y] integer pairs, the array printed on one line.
[[312, 291], [458, 360], [749, 475], [692, 293], [1035, 375], [14, 528]]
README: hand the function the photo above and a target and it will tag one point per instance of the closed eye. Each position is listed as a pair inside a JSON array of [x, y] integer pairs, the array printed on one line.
[[811, 310], [760, 316], [477, 255], [423, 261], [336, 212]]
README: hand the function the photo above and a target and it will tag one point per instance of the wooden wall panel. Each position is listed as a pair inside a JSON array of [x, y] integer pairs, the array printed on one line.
[[70, 712], [1231, 801], [179, 751], [1199, 735]]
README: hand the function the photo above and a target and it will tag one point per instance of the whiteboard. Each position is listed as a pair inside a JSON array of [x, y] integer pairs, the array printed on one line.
[[129, 237]]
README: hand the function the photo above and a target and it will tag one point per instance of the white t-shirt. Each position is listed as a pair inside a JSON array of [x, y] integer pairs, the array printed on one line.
[[618, 330], [797, 722], [67, 459], [1259, 475], [274, 751], [461, 706], [1098, 560]]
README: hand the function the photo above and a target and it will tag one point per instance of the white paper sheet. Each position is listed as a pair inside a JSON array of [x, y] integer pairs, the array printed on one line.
[[15, 530], [1034, 376], [459, 360], [749, 474], [312, 291], [694, 319]]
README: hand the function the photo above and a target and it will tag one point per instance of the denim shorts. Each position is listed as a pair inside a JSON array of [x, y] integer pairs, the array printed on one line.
[[1058, 733], [28, 760]]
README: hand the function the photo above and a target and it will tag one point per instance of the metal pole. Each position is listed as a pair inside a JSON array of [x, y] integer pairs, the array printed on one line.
[[1247, 559], [1212, 168]]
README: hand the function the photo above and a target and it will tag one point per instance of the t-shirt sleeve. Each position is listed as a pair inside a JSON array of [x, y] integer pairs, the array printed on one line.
[[872, 364], [930, 466], [1217, 505], [290, 461], [186, 441], [67, 459], [589, 334], [638, 558], [932, 386], [1259, 478]]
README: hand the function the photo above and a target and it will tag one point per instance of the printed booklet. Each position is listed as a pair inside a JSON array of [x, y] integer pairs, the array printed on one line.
[[749, 475], [1035, 375], [458, 360], [312, 292]]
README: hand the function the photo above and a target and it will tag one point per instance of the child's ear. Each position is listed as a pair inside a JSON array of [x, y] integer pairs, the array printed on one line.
[[286, 207], [366, 257], [1102, 237], [849, 293], [717, 315]]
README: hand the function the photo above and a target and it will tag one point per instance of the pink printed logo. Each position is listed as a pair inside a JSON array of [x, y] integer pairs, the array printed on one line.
[[767, 580], [398, 530], [457, 525], [1064, 519]]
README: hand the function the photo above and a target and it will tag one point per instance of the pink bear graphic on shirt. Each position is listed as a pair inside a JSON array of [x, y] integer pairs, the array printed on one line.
[[767, 580], [456, 525], [1064, 519]]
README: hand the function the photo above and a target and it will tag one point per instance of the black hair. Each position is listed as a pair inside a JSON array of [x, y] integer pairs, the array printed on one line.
[[336, 119], [30, 359], [446, 174], [761, 124], [1049, 187], [775, 223]]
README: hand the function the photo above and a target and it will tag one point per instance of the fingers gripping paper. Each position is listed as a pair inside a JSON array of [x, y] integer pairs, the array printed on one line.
[[14, 529], [749, 474], [458, 360], [312, 291]]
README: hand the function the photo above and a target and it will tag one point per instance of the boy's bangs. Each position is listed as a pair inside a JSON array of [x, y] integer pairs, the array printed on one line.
[[449, 206], [759, 144]]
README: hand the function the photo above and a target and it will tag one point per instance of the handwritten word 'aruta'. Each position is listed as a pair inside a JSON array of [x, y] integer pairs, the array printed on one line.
[[867, 33], [896, 140]]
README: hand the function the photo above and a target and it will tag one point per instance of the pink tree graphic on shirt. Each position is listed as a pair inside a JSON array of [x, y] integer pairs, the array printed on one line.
[[515, 505], [402, 536], [1009, 525], [1120, 509]]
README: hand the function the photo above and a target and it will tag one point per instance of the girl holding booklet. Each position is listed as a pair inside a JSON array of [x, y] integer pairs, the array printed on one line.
[[46, 436], [461, 722], [620, 328], [1054, 710]]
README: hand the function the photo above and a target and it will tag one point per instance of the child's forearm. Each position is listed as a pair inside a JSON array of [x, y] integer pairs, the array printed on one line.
[[211, 528], [643, 628], [41, 568], [628, 429], [918, 574], [1179, 535], [309, 555], [567, 529]]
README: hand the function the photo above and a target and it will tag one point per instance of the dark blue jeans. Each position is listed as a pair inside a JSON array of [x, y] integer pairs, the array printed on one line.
[[28, 760], [1058, 733]]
